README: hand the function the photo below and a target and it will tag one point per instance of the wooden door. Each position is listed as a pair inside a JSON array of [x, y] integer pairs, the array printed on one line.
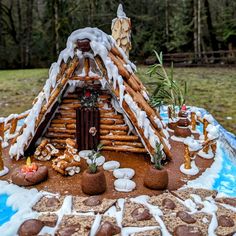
[[87, 128]]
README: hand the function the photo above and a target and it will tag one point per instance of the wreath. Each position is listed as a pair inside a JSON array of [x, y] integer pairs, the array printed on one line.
[[89, 97]]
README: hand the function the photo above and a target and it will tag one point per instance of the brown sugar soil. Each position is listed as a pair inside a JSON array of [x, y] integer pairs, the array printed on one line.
[[57, 183]]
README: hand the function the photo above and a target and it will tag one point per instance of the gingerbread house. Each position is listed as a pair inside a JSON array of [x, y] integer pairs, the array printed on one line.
[[92, 95]]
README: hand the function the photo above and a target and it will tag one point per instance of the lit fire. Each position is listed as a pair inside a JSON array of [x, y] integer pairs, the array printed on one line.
[[29, 167]]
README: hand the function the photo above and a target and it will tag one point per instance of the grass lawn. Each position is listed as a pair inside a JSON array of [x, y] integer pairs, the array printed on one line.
[[211, 88]]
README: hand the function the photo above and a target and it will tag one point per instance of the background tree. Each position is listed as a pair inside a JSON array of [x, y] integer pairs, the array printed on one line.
[[33, 32]]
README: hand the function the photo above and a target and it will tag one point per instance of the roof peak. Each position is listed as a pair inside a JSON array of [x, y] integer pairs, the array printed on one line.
[[120, 11]]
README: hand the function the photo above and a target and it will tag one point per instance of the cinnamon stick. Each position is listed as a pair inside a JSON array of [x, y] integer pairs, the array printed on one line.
[[2, 124]]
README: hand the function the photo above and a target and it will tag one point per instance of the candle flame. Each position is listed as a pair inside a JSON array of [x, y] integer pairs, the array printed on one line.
[[28, 161]]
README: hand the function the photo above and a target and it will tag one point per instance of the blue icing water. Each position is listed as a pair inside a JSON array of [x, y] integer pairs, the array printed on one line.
[[226, 181], [6, 212]]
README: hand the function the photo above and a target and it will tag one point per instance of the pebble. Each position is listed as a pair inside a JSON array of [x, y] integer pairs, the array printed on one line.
[[168, 204], [225, 221], [124, 173], [124, 185], [111, 165], [185, 217], [85, 153]]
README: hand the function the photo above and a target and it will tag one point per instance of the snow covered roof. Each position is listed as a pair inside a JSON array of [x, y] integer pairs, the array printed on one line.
[[117, 73]]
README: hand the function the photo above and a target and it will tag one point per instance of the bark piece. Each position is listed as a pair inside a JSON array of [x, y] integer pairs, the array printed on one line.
[[79, 205], [75, 225], [153, 232], [48, 204], [49, 219], [200, 221], [137, 215], [186, 193], [226, 221], [167, 203]]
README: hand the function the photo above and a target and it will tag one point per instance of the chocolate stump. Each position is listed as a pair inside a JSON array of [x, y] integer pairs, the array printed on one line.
[[93, 183], [156, 179]]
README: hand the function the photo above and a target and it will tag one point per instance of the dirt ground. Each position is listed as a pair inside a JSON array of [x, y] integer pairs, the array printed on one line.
[[72, 185]]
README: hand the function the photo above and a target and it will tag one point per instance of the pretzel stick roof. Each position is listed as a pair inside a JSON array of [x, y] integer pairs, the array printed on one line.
[[113, 70]]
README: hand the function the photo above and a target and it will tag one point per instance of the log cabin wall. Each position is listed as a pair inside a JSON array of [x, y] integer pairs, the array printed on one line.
[[113, 130]]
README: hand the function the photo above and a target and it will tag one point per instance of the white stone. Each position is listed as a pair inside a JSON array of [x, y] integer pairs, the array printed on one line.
[[4, 171], [85, 153], [111, 165], [124, 185], [73, 170], [99, 161], [76, 158], [124, 173], [193, 171]]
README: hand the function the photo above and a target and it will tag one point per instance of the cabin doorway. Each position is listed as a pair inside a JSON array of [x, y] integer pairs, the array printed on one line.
[[87, 128]]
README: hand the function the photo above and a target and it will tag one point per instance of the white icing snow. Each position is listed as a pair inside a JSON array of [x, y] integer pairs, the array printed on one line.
[[4, 171], [192, 171], [193, 144], [209, 118], [213, 132], [178, 139], [143, 121], [120, 12], [124, 173], [111, 165], [96, 224], [18, 148], [189, 203], [205, 155], [21, 200], [124, 185]]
